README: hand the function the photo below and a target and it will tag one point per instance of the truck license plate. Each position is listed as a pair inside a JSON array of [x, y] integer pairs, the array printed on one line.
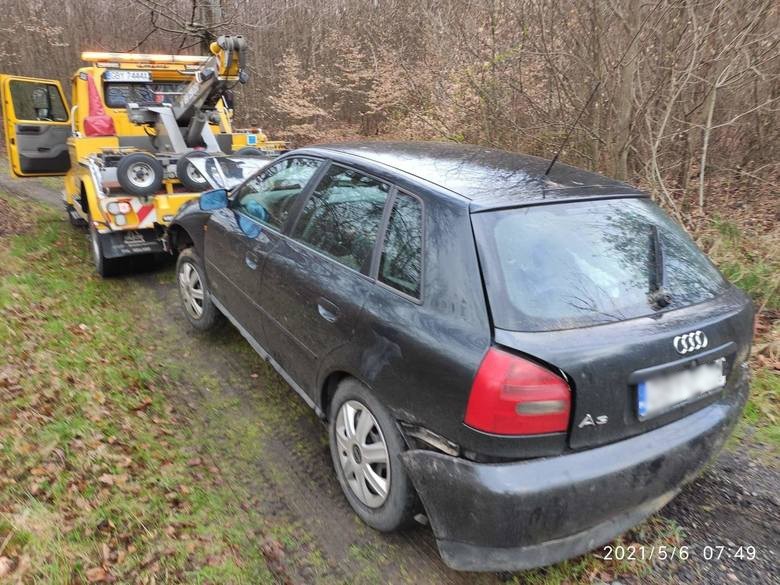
[[660, 394]]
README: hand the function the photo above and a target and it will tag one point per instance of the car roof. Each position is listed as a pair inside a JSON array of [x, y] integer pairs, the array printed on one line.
[[488, 177]]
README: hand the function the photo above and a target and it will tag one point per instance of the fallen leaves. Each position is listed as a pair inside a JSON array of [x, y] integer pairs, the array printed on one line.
[[98, 476], [6, 566], [144, 404], [108, 479], [10, 376], [97, 575]]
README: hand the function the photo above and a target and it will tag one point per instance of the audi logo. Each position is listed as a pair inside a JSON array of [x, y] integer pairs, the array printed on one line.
[[688, 342]]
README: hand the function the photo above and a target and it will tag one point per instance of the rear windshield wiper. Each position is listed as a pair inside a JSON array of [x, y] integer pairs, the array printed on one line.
[[658, 296]]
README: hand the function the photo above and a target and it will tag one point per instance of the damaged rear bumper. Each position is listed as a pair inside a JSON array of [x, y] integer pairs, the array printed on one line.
[[515, 516]]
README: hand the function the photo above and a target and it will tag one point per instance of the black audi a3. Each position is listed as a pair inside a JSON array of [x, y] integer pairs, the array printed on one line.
[[534, 360]]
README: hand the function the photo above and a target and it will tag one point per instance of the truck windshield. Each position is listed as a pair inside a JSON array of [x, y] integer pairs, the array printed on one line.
[[119, 94], [568, 265]]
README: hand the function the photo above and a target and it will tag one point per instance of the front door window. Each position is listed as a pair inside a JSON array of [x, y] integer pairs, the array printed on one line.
[[341, 217], [269, 197]]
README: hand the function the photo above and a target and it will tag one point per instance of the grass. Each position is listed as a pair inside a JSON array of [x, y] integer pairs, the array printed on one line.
[[762, 411], [752, 262], [100, 480]]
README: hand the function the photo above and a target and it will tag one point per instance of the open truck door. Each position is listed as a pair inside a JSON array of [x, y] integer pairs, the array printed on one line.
[[37, 125]]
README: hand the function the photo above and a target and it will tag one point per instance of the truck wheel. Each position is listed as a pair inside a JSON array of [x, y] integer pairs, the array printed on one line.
[[194, 292], [105, 266], [189, 176], [140, 174], [366, 448]]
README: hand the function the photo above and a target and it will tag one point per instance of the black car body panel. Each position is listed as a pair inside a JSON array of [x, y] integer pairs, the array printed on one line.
[[187, 228], [494, 501], [489, 178], [516, 516], [601, 362], [421, 369]]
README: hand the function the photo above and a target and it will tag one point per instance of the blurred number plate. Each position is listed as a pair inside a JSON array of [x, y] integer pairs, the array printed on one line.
[[129, 75], [660, 394]]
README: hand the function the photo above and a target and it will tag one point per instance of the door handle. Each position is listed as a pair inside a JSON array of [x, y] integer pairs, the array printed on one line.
[[327, 310], [251, 259]]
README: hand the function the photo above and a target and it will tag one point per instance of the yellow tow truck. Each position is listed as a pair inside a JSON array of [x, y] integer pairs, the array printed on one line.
[[125, 145]]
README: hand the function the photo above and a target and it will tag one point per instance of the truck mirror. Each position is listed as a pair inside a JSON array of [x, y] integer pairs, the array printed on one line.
[[213, 200], [41, 102]]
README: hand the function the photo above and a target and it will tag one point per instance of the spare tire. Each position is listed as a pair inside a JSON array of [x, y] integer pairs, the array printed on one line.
[[140, 174], [188, 174], [249, 151]]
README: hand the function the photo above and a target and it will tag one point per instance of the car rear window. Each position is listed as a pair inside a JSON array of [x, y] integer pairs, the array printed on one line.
[[569, 265]]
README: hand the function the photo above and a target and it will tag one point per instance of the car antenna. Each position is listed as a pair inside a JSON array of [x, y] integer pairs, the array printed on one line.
[[595, 89], [572, 127]]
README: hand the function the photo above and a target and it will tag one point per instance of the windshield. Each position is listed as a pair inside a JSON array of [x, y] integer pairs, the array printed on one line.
[[226, 172], [570, 265], [119, 94]]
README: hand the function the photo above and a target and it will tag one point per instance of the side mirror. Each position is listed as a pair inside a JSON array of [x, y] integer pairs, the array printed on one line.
[[213, 200], [41, 102]]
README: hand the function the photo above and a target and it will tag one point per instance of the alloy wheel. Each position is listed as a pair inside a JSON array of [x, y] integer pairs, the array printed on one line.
[[191, 288], [363, 453]]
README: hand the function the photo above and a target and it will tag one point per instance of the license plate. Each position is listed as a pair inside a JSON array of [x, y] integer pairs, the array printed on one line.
[[657, 395]]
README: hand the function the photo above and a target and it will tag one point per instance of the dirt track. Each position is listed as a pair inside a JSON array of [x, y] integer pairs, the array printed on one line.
[[264, 441]]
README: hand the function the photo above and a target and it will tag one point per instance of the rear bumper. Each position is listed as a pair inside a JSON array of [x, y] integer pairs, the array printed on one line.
[[530, 514]]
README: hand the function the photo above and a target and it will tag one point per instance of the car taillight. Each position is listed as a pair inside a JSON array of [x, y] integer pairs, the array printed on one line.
[[514, 396]]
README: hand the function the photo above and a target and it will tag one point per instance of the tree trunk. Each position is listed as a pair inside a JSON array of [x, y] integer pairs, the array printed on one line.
[[211, 14], [710, 108], [624, 97]]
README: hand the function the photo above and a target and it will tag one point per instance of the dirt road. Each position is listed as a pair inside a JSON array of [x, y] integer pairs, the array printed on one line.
[[262, 440]]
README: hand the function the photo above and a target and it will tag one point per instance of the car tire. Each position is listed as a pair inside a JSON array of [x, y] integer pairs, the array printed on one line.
[[105, 267], [188, 174], [139, 173], [351, 443], [194, 293]]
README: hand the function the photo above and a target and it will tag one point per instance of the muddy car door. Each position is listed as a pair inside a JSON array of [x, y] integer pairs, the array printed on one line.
[[239, 238], [315, 283], [36, 124]]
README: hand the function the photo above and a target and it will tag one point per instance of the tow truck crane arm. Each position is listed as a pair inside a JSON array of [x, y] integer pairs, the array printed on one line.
[[183, 125], [226, 65]]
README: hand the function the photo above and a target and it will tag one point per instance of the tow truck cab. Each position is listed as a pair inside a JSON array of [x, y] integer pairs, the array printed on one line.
[[86, 140]]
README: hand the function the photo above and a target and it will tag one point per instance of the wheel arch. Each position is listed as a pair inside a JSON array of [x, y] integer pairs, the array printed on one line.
[[328, 389], [330, 384], [88, 198], [178, 238]]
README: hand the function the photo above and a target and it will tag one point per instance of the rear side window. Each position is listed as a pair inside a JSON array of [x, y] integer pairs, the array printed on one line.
[[342, 216], [269, 196], [569, 265], [400, 265]]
